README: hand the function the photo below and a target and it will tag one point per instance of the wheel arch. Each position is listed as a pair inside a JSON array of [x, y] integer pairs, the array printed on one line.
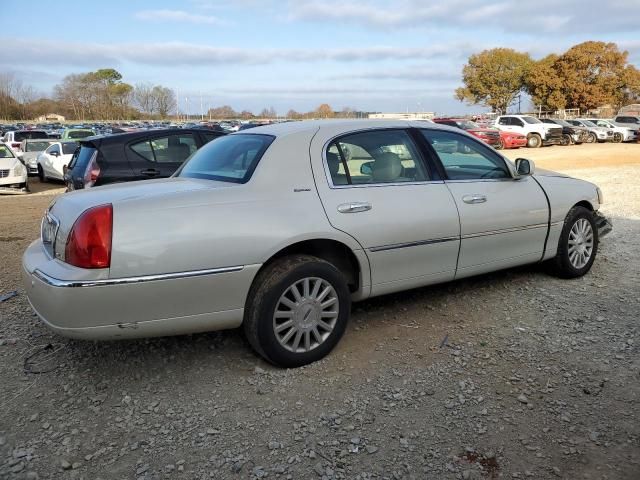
[[584, 203], [354, 267]]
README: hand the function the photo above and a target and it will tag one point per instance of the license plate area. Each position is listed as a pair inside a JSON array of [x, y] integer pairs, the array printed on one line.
[[48, 233]]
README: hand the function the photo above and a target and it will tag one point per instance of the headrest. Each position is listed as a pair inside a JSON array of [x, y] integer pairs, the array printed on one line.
[[333, 162], [387, 167]]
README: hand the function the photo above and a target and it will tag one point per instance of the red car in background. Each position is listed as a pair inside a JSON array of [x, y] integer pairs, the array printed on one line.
[[487, 135], [511, 140]]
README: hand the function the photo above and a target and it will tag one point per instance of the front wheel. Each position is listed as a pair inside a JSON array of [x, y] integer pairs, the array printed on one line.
[[578, 244], [566, 140], [297, 310], [41, 175], [617, 137], [592, 138], [534, 141], [499, 145]]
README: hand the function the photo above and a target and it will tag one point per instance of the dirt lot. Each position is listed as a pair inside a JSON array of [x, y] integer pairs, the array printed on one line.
[[511, 375]]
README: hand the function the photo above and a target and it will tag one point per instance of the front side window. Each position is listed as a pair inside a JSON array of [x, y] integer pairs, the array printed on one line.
[[504, 121], [54, 149], [465, 159], [375, 157], [231, 158]]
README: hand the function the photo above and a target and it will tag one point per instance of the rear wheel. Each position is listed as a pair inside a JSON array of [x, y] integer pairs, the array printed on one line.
[[578, 244], [297, 310], [617, 137], [534, 141]]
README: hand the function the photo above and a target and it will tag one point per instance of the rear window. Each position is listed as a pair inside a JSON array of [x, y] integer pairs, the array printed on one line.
[[81, 158], [231, 158], [80, 133], [36, 146], [19, 136]]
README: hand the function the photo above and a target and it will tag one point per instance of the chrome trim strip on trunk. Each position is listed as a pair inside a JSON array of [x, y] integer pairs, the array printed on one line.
[[55, 282], [394, 246], [505, 230]]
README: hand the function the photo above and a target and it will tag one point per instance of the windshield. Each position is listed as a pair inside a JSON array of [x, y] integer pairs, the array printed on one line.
[[5, 152], [36, 146], [588, 123], [19, 136], [79, 133], [562, 122], [602, 123], [531, 120], [232, 158], [467, 124]]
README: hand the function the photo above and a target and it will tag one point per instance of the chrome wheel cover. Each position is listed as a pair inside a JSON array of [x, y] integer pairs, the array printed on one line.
[[306, 314], [580, 243]]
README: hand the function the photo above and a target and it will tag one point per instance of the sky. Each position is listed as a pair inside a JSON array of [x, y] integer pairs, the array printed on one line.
[[387, 56]]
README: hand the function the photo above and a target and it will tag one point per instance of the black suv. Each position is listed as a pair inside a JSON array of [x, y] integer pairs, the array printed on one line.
[[126, 157]]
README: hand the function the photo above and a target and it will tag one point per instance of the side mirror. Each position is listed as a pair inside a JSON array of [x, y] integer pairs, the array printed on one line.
[[54, 154], [366, 169], [524, 167]]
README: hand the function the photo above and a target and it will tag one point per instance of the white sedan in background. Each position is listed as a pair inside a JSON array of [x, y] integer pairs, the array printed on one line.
[[52, 161], [276, 230], [13, 173]]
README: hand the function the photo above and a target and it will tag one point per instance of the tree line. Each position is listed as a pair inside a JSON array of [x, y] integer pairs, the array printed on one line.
[[324, 110], [587, 76], [98, 95]]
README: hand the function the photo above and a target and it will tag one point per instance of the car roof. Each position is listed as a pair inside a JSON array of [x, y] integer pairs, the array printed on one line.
[[128, 136], [288, 128]]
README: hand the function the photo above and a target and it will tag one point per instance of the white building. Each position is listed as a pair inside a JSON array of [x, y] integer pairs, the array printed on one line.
[[50, 117], [403, 116]]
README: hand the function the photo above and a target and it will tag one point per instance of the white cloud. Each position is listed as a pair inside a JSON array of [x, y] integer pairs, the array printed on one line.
[[540, 16], [178, 16], [30, 51]]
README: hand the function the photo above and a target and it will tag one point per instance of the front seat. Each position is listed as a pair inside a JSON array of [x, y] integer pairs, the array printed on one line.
[[387, 168]]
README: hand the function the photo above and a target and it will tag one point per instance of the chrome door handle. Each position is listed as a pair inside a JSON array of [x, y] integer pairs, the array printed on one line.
[[354, 207], [474, 198]]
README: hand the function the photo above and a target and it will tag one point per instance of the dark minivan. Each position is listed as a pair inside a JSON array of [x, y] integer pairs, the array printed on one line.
[[126, 157]]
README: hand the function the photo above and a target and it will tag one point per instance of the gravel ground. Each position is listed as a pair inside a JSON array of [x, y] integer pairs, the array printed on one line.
[[510, 375]]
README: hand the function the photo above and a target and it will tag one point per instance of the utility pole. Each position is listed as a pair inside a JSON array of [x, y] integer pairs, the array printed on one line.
[[201, 108]]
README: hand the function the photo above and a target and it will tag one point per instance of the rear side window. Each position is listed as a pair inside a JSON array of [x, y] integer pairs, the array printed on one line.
[[69, 148], [231, 158], [375, 157], [81, 158], [171, 149]]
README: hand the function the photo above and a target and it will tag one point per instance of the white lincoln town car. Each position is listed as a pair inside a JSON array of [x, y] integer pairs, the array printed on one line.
[[279, 228]]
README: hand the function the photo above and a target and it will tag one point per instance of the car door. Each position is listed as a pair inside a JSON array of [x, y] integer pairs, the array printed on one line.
[[376, 186], [47, 157], [160, 156], [503, 220]]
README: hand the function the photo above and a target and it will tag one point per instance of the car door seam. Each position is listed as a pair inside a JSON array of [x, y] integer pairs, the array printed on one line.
[[546, 238]]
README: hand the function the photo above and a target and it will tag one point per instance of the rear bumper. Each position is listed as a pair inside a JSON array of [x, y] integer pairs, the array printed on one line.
[[145, 306], [603, 224]]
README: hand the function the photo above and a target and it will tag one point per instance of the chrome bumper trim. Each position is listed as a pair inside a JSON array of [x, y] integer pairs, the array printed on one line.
[[55, 282]]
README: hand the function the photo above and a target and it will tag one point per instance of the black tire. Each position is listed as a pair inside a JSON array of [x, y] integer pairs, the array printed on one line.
[[499, 145], [269, 285], [534, 141], [617, 137], [41, 175], [25, 187], [561, 265], [566, 140], [592, 138]]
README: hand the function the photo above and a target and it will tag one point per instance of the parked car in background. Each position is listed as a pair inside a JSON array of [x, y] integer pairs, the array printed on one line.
[[13, 173], [537, 133], [76, 133], [247, 126], [51, 163], [490, 136], [29, 151], [14, 138], [276, 231], [511, 140], [596, 133], [620, 134], [571, 134], [133, 156], [629, 121]]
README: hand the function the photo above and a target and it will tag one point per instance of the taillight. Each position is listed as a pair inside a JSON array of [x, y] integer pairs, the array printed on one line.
[[89, 242], [92, 172]]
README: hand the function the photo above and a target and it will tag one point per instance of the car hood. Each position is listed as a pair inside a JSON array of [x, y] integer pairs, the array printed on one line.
[[8, 163], [541, 172]]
